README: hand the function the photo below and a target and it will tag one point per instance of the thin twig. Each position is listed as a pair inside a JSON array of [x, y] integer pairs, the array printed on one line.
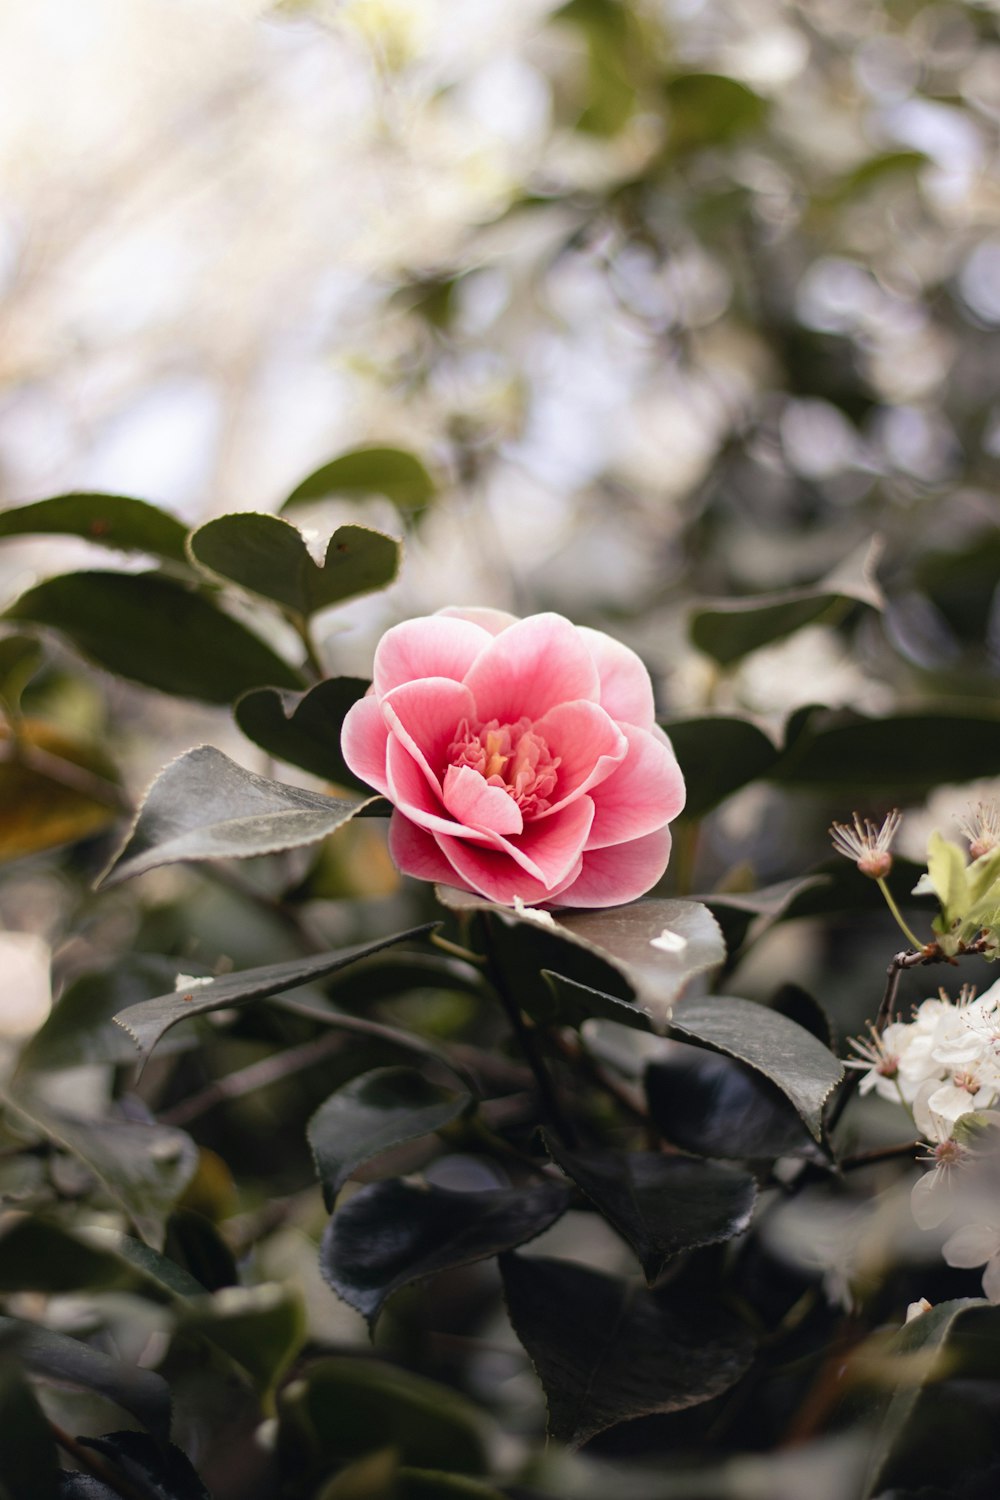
[[257, 1075], [528, 1040], [361, 1026], [884, 1153]]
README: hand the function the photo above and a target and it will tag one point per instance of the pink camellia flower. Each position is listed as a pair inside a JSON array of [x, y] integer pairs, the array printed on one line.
[[521, 756]]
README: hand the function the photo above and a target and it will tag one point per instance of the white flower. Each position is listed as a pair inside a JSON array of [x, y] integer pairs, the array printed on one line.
[[881, 1054], [917, 1309], [931, 1197], [977, 1245]]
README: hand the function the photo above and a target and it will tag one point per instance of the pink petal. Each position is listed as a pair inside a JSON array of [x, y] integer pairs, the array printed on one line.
[[589, 744], [622, 873], [641, 794], [434, 646], [472, 801], [497, 877], [493, 620], [415, 794], [424, 716], [417, 853], [547, 850], [626, 689], [362, 740], [529, 668]]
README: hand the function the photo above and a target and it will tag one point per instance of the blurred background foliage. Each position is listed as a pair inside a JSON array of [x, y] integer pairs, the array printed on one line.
[[656, 304]]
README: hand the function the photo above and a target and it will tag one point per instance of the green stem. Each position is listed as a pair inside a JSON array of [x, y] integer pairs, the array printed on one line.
[[313, 662], [907, 932]]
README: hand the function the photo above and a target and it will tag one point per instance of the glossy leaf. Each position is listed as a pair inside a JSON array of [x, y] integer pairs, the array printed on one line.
[[341, 1409], [54, 789], [20, 658], [392, 472], [268, 556], [157, 632], [262, 1327], [147, 1022], [117, 521], [390, 1234], [718, 1107], [205, 806], [718, 755], [144, 1167], [606, 1350], [631, 962], [373, 1113], [304, 728], [661, 1204], [915, 1444], [28, 1464], [728, 629], [782, 1051], [161, 1472], [903, 755], [744, 916], [142, 1393], [39, 1255]]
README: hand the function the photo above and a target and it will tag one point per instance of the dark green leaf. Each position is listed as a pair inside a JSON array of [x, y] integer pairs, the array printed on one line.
[[392, 472], [646, 954], [142, 1393], [661, 1204], [147, 1022], [20, 658], [728, 629], [116, 521], [340, 1409], [194, 1243], [904, 755], [28, 1464], [709, 108], [269, 556], [54, 789], [744, 916], [787, 1054], [204, 806], [37, 1255], [915, 1444], [145, 1168], [373, 1113], [390, 1234], [715, 1106], [161, 1473], [436, 1484], [606, 1350], [718, 755], [262, 1327], [304, 728], [156, 632]]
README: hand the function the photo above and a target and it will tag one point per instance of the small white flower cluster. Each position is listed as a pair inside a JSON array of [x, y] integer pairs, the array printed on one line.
[[944, 1062], [943, 1066]]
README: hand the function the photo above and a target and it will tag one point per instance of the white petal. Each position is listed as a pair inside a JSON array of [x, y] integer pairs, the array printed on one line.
[[972, 1245], [930, 1199], [991, 1279]]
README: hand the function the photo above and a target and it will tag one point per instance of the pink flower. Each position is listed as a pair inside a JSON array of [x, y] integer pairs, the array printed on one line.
[[521, 756]]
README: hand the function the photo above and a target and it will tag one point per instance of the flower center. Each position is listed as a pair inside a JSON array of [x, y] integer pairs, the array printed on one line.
[[967, 1081], [511, 756]]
